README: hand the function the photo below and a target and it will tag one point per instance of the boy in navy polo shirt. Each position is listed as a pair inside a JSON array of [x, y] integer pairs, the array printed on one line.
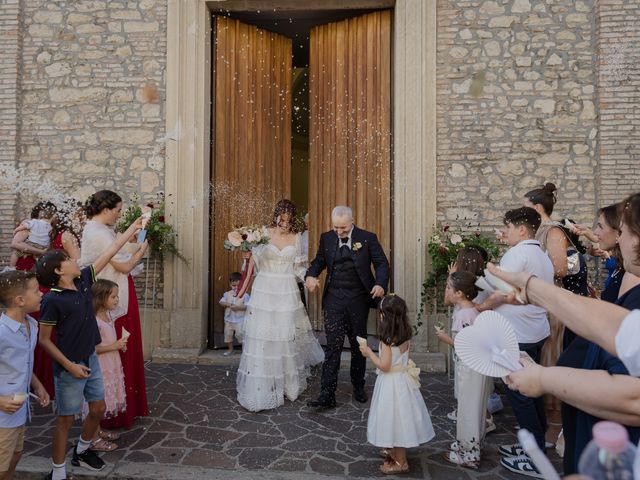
[[77, 376], [20, 295]]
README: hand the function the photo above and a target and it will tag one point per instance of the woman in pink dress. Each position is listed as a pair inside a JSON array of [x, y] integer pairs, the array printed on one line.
[[103, 211]]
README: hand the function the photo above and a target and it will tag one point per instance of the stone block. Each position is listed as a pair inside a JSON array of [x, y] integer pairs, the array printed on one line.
[[503, 21], [77, 95], [133, 27], [58, 69], [127, 136], [521, 6], [545, 105]]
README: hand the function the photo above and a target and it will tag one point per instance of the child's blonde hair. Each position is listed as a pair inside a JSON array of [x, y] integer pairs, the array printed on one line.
[[100, 291]]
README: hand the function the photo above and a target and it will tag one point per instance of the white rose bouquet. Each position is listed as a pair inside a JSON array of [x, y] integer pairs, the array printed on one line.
[[245, 238]]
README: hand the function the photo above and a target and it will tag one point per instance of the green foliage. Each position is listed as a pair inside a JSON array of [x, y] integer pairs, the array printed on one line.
[[443, 248], [160, 235]]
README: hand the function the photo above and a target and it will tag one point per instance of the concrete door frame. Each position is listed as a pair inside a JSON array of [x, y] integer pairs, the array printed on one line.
[[187, 173]]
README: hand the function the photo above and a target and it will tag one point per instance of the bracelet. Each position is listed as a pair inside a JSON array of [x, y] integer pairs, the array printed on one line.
[[526, 286]]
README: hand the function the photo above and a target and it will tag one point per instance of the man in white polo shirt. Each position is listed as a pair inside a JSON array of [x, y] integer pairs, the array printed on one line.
[[530, 324]]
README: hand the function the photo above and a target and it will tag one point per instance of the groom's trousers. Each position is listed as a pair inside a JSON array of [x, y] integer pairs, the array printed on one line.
[[344, 316]]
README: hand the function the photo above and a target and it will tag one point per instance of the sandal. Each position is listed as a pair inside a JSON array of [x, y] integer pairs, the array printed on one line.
[[458, 458], [103, 445], [394, 467], [107, 435], [385, 453]]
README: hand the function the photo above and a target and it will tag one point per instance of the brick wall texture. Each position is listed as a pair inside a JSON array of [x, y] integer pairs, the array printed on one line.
[[619, 98]]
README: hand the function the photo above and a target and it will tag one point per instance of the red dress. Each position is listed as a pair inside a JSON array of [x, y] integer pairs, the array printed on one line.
[[42, 362], [133, 366]]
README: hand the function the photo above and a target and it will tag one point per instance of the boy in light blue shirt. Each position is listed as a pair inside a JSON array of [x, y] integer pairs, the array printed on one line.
[[20, 294]]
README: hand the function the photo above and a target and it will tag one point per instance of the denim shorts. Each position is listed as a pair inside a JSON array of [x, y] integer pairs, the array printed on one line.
[[71, 391]]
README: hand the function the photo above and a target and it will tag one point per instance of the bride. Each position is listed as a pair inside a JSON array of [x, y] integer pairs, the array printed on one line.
[[278, 343]]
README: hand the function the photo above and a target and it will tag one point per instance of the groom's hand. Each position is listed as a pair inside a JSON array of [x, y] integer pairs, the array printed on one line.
[[377, 292], [311, 283]]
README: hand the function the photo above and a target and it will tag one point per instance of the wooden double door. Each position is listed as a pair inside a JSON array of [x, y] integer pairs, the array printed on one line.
[[350, 160]]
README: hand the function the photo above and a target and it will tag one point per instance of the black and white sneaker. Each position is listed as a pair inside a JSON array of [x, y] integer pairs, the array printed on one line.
[[87, 459], [513, 450], [521, 464]]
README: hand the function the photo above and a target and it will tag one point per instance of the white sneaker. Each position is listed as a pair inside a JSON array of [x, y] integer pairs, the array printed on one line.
[[228, 352], [453, 415], [513, 450], [521, 464]]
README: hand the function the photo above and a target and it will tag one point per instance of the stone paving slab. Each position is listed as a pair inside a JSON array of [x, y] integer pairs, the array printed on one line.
[[197, 430]]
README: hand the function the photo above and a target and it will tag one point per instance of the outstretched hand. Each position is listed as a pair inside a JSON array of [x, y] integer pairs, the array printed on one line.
[[527, 380], [517, 280]]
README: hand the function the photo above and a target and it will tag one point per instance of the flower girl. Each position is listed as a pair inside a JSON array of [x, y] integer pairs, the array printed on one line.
[[473, 388], [398, 417], [105, 299]]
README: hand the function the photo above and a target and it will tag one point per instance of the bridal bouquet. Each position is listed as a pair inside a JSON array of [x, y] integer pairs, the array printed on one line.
[[245, 238]]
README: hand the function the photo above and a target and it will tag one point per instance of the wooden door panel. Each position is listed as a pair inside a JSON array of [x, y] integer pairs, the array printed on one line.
[[251, 150], [350, 127]]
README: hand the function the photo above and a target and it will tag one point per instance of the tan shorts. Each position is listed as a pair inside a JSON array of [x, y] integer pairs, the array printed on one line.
[[11, 441], [230, 329]]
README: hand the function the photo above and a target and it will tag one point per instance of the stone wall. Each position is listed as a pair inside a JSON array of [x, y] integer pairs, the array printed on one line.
[[515, 106], [619, 99], [88, 104]]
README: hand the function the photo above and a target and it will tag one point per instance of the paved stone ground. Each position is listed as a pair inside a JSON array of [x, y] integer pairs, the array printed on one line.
[[195, 424]]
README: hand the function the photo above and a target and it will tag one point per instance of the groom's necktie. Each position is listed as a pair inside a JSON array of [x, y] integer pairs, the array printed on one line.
[[344, 247]]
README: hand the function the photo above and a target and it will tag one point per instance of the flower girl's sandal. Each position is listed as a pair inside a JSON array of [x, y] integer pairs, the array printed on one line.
[[385, 453], [457, 458], [394, 467]]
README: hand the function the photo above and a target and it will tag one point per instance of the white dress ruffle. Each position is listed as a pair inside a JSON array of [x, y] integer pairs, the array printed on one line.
[[278, 343]]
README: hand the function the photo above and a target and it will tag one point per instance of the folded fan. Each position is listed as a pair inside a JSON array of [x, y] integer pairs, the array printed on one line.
[[489, 346], [491, 283]]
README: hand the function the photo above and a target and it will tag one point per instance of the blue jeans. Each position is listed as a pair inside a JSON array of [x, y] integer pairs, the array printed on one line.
[[530, 412], [71, 391]]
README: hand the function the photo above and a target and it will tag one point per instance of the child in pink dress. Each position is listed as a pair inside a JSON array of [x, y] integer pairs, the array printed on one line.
[[105, 299]]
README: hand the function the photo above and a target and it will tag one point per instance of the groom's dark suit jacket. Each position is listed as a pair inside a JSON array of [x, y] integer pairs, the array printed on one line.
[[370, 253]]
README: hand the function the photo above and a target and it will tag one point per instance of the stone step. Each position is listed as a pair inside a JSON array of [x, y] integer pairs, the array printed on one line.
[[427, 361]]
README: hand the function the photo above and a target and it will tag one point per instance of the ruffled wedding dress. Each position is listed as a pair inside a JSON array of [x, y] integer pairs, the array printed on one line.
[[278, 342]]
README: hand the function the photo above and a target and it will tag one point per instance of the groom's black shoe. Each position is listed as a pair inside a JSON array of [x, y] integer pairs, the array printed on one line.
[[324, 402], [359, 395]]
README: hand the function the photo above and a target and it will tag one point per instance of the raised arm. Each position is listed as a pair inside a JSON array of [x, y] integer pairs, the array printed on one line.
[[106, 256], [126, 267], [595, 320], [583, 389]]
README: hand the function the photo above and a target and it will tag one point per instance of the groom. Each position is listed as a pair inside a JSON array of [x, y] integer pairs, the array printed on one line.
[[347, 253]]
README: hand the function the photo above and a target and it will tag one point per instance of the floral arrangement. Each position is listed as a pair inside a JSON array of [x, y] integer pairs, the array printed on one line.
[[160, 235], [245, 238], [443, 247]]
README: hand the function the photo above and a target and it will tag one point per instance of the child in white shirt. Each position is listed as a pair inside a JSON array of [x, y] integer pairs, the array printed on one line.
[[39, 232], [234, 309]]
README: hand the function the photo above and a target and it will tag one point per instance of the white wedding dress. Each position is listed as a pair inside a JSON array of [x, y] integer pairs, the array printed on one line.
[[278, 343]]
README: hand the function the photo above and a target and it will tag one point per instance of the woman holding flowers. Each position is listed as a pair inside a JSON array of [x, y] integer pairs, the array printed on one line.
[[103, 210], [278, 342]]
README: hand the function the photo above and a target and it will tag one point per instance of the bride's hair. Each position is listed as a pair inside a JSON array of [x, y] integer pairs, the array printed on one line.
[[286, 206], [395, 328]]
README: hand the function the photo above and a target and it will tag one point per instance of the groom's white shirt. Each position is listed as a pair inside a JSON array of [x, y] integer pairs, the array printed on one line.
[[348, 244]]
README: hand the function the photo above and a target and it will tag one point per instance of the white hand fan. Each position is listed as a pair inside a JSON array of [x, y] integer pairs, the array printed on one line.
[[125, 334], [489, 346]]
